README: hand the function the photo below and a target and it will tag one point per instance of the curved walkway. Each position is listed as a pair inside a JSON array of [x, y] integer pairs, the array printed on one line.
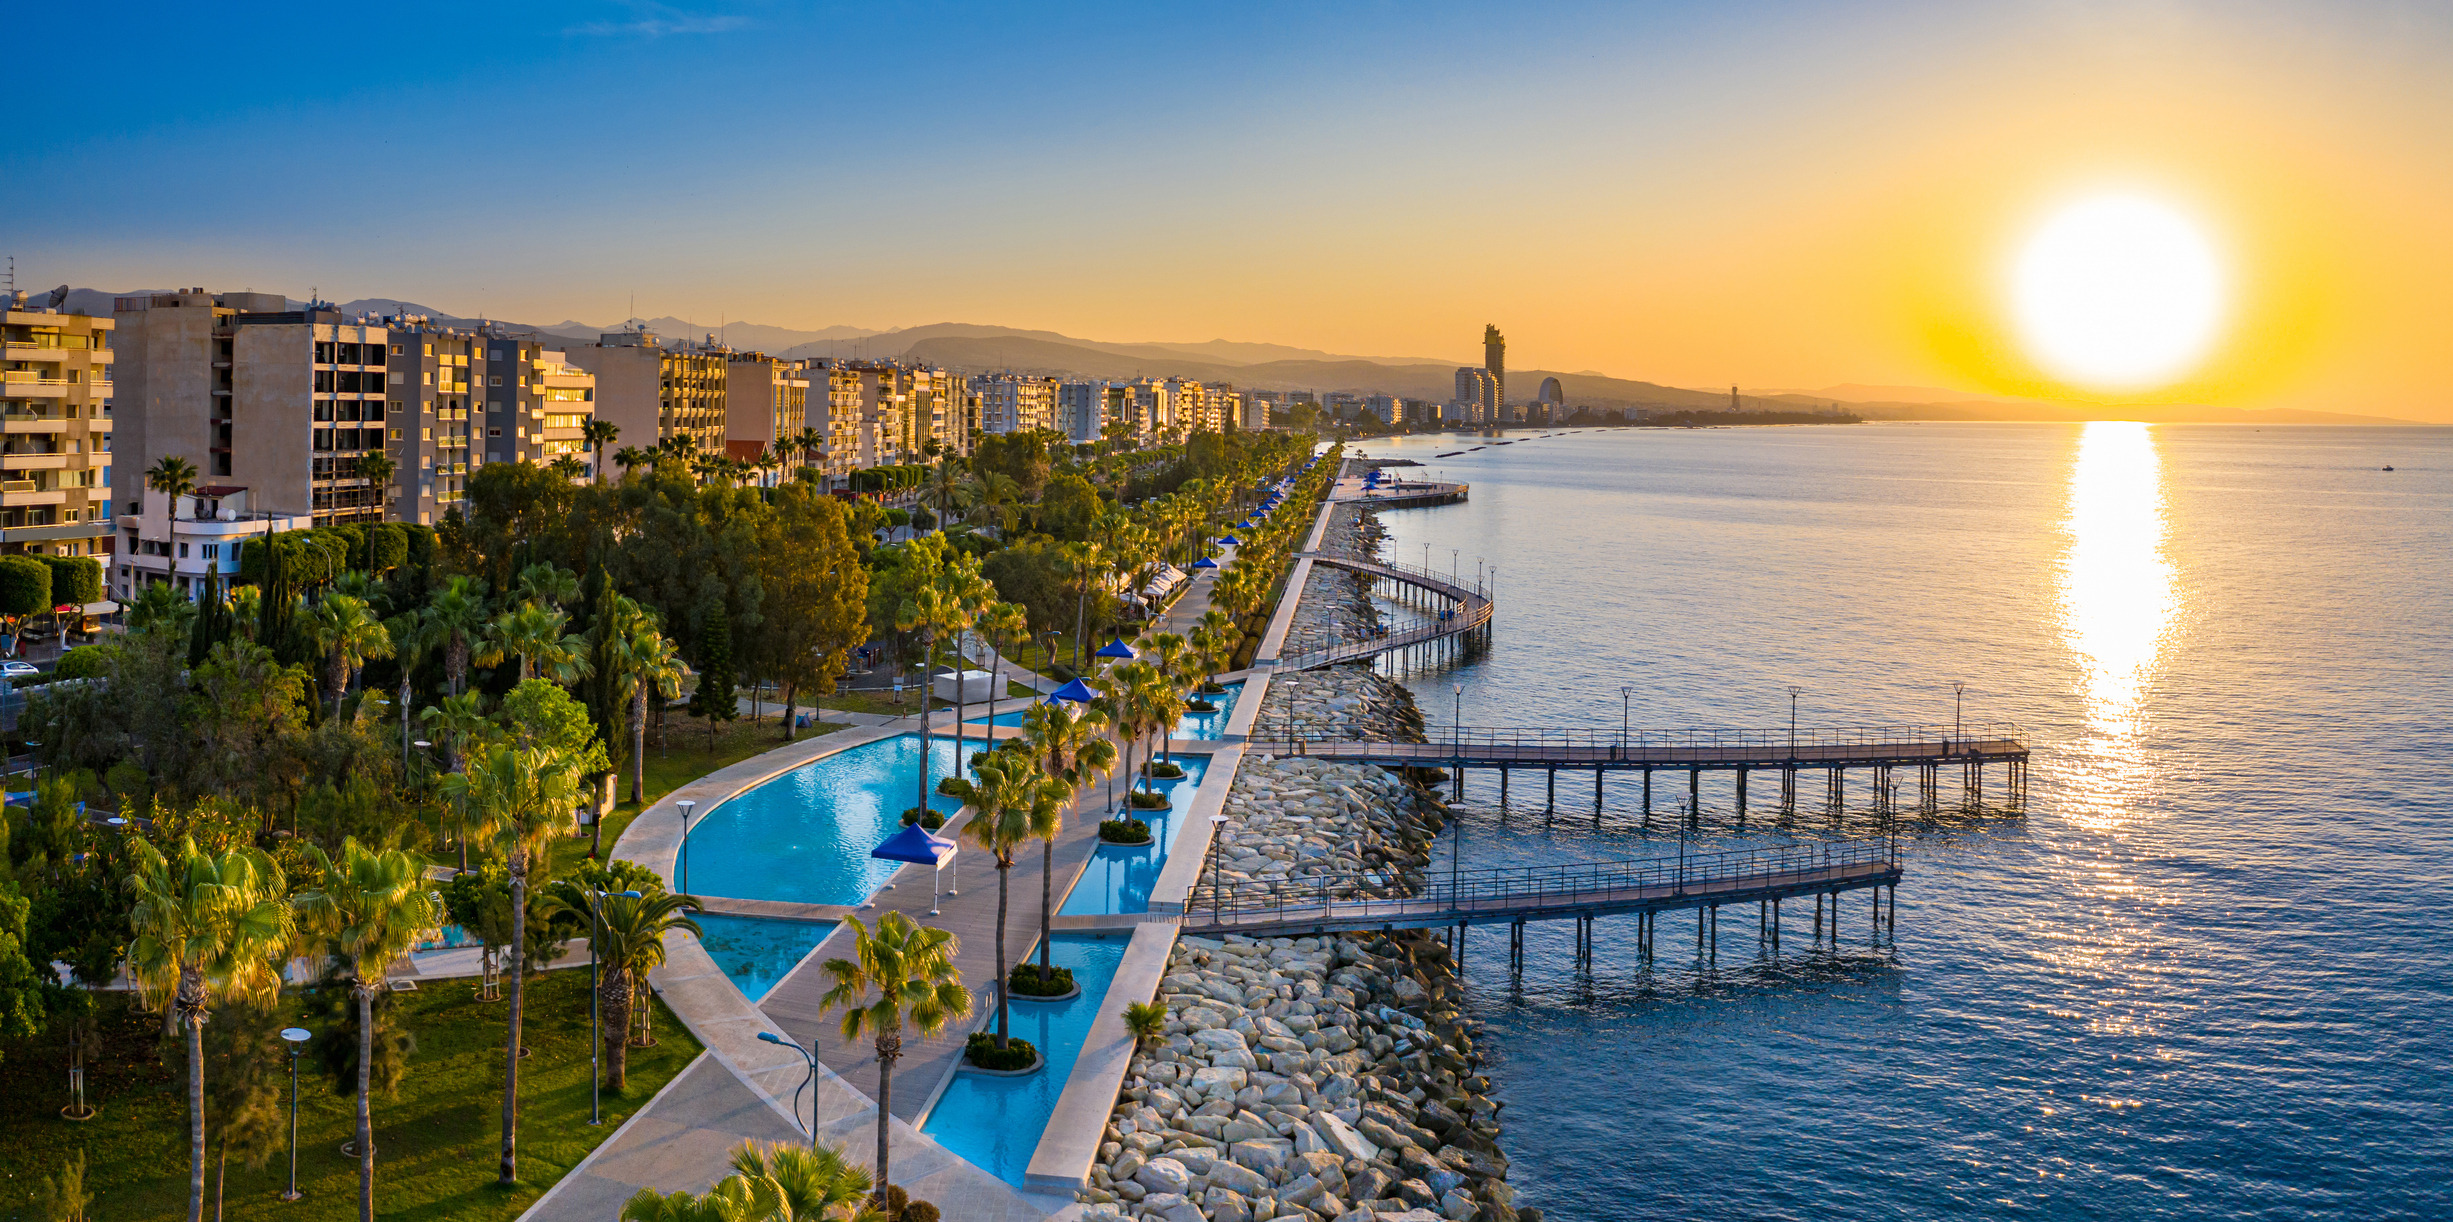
[[1470, 614]]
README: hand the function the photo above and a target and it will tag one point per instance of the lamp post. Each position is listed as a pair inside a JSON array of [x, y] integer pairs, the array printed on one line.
[[1626, 704], [1217, 834], [1793, 690], [810, 1057], [1958, 690], [596, 1040], [297, 1038], [686, 806]]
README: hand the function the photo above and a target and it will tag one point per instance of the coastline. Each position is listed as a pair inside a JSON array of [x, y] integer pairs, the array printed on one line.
[[1317, 1079]]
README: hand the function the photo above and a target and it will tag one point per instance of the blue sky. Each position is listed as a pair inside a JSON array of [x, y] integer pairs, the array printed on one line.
[[1763, 192]]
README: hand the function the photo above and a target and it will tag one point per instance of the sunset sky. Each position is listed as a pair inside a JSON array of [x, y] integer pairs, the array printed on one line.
[[1777, 195]]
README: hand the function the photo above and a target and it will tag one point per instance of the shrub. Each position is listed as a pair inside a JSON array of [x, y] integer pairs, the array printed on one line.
[[1144, 799], [920, 1211], [1124, 831], [1147, 1020], [930, 819], [84, 662], [983, 1052], [1162, 770], [1025, 981]]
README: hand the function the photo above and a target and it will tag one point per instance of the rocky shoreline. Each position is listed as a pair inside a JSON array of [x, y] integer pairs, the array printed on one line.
[[1327, 1079]]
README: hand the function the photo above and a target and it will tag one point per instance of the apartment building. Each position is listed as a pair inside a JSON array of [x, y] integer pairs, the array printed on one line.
[[55, 431], [180, 540], [286, 403], [1477, 395], [565, 401], [766, 405], [652, 390], [1387, 409], [1084, 408], [901, 409], [436, 379], [1009, 403]]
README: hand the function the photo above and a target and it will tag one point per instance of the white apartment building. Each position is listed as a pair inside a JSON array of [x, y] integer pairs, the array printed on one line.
[[1013, 404], [181, 542]]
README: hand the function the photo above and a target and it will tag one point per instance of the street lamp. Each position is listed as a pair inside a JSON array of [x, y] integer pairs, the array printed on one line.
[[1793, 690], [812, 1058], [596, 1040], [686, 806], [297, 1038], [1217, 835], [1958, 690], [1626, 703]]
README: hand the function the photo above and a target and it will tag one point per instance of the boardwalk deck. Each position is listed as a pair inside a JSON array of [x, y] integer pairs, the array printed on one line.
[[1465, 613], [1668, 750]]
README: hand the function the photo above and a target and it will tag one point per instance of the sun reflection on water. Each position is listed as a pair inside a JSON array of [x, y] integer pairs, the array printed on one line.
[[2120, 601]]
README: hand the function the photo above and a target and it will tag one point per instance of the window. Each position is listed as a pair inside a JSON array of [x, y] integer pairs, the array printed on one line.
[[428, 435], [182, 551], [395, 434], [212, 551], [494, 433], [400, 350], [496, 380]]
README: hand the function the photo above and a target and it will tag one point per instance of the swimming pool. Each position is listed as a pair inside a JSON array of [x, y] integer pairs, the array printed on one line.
[[805, 836], [1211, 725], [995, 1123], [756, 952], [1118, 877]]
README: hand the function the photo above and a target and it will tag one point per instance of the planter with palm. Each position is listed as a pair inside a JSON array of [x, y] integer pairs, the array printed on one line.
[[910, 970], [1070, 748], [1011, 801]]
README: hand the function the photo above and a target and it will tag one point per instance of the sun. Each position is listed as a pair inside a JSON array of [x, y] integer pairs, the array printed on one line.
[[2118, 293]]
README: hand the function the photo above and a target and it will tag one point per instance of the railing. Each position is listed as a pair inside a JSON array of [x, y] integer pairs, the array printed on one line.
[[1347, 649], [1421, 576], [1802, 742], [1521, 888]]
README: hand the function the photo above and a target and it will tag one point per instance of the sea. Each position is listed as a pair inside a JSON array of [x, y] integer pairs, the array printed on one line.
[[2203, 970]]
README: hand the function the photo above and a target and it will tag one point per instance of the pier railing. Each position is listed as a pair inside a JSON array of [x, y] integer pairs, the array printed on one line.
[[1532, 889], [1804, 742]]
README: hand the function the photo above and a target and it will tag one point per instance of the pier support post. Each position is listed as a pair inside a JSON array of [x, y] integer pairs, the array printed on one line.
[[1818, 918], [1551, 807], [1694, 795], [1741, 795], [1503, 787], [1775, 927], [1596, 795]]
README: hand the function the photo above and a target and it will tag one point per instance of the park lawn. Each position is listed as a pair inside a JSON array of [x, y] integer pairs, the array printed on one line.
[[437, 1141], [684, 758]]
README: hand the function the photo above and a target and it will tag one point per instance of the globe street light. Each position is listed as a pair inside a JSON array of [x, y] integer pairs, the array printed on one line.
[[596, 1041], [686, 806], [297, 1038]]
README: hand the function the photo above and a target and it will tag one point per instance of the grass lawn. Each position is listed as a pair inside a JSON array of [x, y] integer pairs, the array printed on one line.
[[436, 1142], [684, 758]]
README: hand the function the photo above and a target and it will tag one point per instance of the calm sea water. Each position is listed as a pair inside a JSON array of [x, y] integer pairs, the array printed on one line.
[[2206, 971]]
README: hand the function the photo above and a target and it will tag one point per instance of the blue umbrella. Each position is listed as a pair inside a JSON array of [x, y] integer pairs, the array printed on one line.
[[1229, 541], [918, 845], [1205, 563], [1117, 650], [1077, 691]]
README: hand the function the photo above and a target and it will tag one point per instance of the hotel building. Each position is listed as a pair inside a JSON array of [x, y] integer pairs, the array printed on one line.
[[56, 410]]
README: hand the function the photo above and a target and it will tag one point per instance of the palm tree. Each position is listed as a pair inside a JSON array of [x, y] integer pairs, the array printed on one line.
[[548, 584], [534, 635], [598, 434], [376, 470], [644, 659], [910, 968], [372, 906], [527, 796], [413, 641], [204, 926], [626, 458], [938, 604], [458, 611], [627, 935], [460, 723], [815, 1183], [809, 441], [1071, 749], [173, 477], [568, 467], [1000, 623], [1012, 801], [1084, 563], [348, 634]]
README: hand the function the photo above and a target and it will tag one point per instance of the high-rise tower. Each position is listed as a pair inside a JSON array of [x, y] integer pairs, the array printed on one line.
[[1495, 358]]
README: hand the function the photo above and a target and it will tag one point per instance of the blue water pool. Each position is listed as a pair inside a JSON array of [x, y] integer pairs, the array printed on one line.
[[1211, 725], [995, 1123], [757, 952], [1009, 713], [805, 836], [1119, 877]]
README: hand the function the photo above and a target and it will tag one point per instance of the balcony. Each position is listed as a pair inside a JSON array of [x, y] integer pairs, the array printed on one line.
[[16, 493], [33, 462], [32, 421], [27, 384]]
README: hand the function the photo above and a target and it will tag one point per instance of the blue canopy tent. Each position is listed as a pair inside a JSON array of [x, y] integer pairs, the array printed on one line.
[[1229, 541], [919, 846], [1076, 692], [1116, 650], [1205, 563]]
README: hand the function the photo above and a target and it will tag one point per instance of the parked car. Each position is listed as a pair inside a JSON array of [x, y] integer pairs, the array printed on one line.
[[13, 670]]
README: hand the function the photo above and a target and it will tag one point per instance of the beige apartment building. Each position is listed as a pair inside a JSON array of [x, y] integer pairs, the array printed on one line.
[[1009, 403], [286, 403], [463, 397], [652, 391], [55, 453], [766, 405]]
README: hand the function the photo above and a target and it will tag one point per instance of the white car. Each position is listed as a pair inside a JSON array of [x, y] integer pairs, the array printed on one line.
[[13, 671]]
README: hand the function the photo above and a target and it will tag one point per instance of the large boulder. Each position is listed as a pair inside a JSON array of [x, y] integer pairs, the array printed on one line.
[[1342, 1138], [1266, 1157], [1171, 1207], [1225, 1174], [1164, 1175], [1226, 1205]]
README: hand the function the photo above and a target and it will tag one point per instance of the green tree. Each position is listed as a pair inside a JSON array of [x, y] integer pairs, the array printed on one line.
[[648, 664], [525, 798], [1011, 801], [347, 633], [534, 635], [715, 698], [206, 926], [173, 477], [20, 987], [815, 595], [25, 586], [627, 937], [1068, 507], [458, 611], [598, 434], [1070, 748], [815, 1183], [369, 907], [911, 970]]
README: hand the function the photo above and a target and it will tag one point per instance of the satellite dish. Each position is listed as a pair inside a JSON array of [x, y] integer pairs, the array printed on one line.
[[59, 297]]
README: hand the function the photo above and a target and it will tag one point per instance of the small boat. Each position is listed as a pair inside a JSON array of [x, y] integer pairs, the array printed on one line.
[[2389, 468]]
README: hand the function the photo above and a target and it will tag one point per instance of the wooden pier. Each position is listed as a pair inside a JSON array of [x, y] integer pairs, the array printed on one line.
[[1580, 892], [1879, 753], [1458, 623]]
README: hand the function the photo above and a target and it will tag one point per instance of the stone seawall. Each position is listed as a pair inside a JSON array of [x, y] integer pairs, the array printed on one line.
[[1329, 1079]]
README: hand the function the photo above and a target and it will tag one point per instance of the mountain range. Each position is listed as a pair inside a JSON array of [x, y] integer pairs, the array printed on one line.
[[978, 347]]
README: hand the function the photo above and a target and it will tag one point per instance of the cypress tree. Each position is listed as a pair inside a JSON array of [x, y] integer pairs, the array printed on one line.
[[276, 609], [213, 623], [714, 699]]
